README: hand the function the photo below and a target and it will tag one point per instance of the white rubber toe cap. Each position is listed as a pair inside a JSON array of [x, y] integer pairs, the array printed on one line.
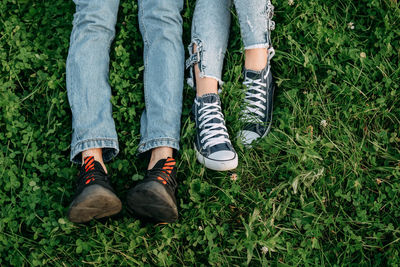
[[219, 161], [247, 137], [222, 155]]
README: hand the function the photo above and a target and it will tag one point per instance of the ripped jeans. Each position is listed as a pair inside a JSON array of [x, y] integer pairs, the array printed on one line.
[[87, 71], [210, 32]]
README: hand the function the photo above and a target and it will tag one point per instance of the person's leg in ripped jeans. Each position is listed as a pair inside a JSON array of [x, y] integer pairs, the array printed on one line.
[[255, 17], [94, 138], [210, 30], [161, 28]]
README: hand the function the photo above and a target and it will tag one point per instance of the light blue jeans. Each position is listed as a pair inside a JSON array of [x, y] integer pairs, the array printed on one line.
[[89, 92], [210, 32]]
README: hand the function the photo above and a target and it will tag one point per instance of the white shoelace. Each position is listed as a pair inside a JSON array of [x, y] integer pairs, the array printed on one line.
[[212, 133], [255, 100], [254, 106]]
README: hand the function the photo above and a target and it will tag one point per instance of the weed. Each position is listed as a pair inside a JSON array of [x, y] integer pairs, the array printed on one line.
[[321, 189]]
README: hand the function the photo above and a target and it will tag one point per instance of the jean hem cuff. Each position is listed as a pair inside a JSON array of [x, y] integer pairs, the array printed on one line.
[[147, 145], [262, 45], [220, 82]]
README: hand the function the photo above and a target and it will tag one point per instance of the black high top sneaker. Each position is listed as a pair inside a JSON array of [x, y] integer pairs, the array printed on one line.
[[256, 114], [213, 146], [94, 197], [153, 198]]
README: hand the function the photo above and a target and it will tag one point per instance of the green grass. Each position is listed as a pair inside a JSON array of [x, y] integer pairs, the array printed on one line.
[[311, 193]]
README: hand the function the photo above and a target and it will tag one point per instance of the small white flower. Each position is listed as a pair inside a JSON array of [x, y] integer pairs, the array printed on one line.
[[290, 2], [350, 25], [234, 177], [363, 55], [200, 228], [324, 123], [264, 250]]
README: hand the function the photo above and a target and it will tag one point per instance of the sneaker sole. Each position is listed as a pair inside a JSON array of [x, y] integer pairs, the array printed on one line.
[[94, 202], [249, 145], [217, 165], [151, 201]]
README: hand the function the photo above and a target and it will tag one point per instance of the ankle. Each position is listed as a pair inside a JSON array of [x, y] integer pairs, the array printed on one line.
[[205, 85], [256, 59], [97, 154], [159, 153]]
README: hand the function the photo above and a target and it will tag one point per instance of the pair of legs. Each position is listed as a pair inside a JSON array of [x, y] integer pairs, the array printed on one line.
[[210, 31], [94, 135]]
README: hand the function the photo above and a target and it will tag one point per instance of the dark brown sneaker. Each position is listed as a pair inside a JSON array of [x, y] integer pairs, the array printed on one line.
[[94, 197], [154, 197]]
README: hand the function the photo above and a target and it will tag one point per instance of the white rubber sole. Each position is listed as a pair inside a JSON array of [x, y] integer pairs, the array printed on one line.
[[217, 165], [249, 144]]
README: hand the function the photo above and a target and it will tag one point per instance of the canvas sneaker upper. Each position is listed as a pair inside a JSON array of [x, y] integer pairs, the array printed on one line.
[[212, 144]]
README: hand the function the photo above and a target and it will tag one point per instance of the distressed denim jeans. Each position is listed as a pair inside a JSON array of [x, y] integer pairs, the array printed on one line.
[[210, 32], [87, 71]]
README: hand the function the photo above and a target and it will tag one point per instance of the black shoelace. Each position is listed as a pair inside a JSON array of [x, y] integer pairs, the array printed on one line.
[[162, 175]]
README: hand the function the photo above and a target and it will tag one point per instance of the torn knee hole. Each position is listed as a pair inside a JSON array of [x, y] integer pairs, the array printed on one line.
[[269, 12], [195, 57]]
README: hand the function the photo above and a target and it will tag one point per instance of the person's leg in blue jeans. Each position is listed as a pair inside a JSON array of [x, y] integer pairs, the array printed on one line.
[[161, 27], [256, 24], [211, 19], [94, 138], [210, 32]]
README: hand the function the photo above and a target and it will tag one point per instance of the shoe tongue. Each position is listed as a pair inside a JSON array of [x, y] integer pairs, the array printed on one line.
[[209, 98], [252, 74]]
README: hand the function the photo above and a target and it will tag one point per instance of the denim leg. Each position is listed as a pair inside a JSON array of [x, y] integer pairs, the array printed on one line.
[[255, 17], [87, 69], [161, 27], [210, 33]]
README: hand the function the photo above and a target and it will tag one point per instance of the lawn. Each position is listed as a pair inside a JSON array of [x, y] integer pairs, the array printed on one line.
[[323, 188]]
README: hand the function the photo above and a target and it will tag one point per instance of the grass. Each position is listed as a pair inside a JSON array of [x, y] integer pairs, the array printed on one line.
[[321, 189]]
